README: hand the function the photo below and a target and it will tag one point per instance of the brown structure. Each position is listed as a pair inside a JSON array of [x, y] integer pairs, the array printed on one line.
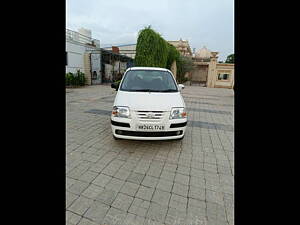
[[115, 49], [183, 47]]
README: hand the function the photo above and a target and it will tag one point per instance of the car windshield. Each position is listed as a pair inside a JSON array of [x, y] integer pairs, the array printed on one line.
[[148, 80]]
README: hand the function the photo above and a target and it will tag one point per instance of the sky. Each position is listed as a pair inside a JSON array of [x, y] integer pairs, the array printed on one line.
[[207, 23]]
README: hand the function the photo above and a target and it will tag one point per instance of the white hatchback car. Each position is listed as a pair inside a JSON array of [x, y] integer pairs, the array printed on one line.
[[148, 106]]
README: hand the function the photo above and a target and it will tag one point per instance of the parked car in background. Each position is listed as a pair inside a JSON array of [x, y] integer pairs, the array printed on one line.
[[148, 106]]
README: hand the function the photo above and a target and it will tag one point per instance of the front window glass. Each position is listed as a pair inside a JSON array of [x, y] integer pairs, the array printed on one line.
[[148, 80]]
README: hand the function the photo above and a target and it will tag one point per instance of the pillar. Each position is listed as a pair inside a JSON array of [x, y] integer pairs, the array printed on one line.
[[212, 70], [87, 68], [174, 69]]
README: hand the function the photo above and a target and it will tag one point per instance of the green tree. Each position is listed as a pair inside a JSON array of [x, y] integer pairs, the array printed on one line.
[[230, 59], [184, 65]]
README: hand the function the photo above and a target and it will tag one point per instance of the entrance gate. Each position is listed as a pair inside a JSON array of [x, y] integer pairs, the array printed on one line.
[[199, 75]]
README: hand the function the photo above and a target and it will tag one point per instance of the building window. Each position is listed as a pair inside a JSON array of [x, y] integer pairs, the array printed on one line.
[[223, 76]]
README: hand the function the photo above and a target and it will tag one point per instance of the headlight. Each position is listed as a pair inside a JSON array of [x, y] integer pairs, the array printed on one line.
[[178, 113], [121, 111]]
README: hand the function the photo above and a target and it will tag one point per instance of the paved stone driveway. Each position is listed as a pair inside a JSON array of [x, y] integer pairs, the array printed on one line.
[[143, 182]]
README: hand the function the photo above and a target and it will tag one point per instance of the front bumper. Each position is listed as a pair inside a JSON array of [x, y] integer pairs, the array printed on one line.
[[126, 129]]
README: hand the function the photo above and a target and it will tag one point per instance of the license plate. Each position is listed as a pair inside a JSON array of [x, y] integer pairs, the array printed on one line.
[[150, 127]]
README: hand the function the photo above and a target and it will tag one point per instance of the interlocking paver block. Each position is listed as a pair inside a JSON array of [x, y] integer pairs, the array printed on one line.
[[88, 176], [170, 167], [122, 174], [168, 175], [212, 196], [96, 212], [80, 205], [178, 199], [69, 182], [102, 180], [107, 196], [197, 182], [115, 184], [78, 187], [183, 170], [129, 165], [97, 167], [136, 178], [72, 218], [174, 216], [70, 198], [180, 189], [85, 221], [210, 167], [145, 193], [132, 219], [139, 207], [122, 202], [196, 203], [129, 188], [110, 170], [92, 191], [114, 217], [197, 193], [157, 212], [154, 171], [182, 179], [198, 218], [164, 185], [202, 162], [150, 181], [161, 197]]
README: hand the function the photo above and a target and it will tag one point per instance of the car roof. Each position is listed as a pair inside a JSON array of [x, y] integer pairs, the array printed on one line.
[[148, 68]]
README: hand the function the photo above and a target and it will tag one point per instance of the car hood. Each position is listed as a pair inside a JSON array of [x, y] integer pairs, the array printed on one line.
[[145, 101]]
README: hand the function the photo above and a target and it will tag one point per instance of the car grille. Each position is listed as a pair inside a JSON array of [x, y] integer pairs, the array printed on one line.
[[150, 116], [148, 134], [175, 125]]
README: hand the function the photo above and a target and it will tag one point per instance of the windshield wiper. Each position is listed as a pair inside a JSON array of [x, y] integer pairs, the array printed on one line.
[[144, 90], [169, 90]]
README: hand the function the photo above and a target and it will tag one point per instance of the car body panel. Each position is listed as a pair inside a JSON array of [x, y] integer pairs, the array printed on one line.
[[148, 102]]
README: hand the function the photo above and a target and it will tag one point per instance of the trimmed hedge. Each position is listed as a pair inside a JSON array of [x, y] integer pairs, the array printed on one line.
[[77, 79], [153, 51]]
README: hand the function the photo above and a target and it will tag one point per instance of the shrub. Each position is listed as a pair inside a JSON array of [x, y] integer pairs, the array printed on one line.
[[77, 79], [184, 64]]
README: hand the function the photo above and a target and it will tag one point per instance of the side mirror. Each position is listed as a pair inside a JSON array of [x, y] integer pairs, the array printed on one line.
[[181, 86], [115, 86]]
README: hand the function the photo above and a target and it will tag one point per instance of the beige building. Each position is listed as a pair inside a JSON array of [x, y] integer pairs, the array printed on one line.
[[209, 73], [183, 47]]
